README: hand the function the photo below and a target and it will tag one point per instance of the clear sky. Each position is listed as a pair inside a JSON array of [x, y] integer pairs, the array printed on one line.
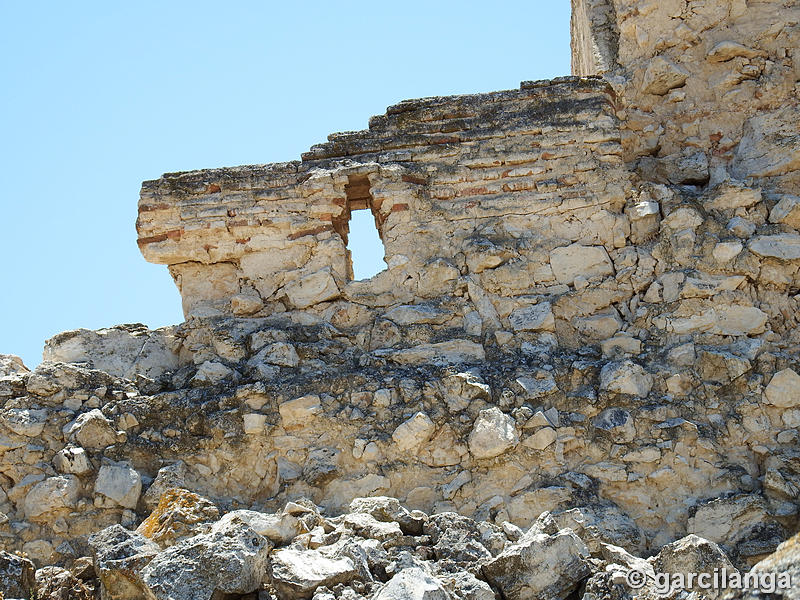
[[97, 96]]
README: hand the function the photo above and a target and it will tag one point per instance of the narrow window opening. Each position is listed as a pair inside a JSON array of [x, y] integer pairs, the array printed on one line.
[[364, 245]]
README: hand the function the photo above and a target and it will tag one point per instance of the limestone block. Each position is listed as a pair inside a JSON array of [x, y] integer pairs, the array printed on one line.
[[72, 460], [24, 421], [540, 566], [538, 317], [769, 145], [11, 364], [534, 387], [786, 211], [663, 75], [282, 354], [231, 559], [599, 326], [541, 439], [91, 430], [312, 289], [254, 423], [721, 320], [728, 49], [600, 524], [210, 373], [56, 583], [122, 351], [493, 433], [417, 313], [51, 496], [785, 246], [118, 484], [725, 252], [645, 218], [442, 353], [783, 389], [730, 197], [246, 304], [297, 412], [625, 377], [693, 554], [297, 573], [413, 583], [415, 431], [570, 261], [279, 528], [367, 526], [17, 575], [169, 476], [205, 289], [180, 514], [618, 423]]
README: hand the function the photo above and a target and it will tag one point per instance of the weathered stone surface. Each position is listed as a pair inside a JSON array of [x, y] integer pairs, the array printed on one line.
[[119, 557], [123, 351], [693, 554], [72, 460], [278, 528], [297, 412], [570, 350], [662, 75], [783, 389], [52, 496], [297, 573], [540, 565], [11, 365], [626, 377], [785, 246], [576, 260], [92, 430], [231, 559], [413, 584], [787, 211], [312, 289], [118, 485], [493, 433], [179, 514], [169, 476], [442, 353], [56, 583], [780, 569], [533, 318], [17, 576], [413, 432]]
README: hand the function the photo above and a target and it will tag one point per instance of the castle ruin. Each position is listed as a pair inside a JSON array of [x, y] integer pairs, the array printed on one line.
[[587, 324]]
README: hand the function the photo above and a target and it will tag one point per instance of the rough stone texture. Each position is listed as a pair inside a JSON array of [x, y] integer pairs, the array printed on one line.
[[588, 319], [230, 559], [179, 514], [119, 557], [17, 576], [298, 573], [540, 566]]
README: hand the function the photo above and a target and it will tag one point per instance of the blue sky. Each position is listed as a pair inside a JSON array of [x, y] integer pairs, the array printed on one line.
[[98, 96]]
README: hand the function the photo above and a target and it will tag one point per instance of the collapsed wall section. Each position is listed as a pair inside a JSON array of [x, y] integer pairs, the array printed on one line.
[[457, 184]]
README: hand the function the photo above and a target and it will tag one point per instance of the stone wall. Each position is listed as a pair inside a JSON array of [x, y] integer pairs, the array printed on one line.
[[590, 302], [457, 186], [708, 89]]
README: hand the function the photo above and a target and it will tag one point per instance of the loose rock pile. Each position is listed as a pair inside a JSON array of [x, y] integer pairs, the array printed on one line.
[[587, 327], [378, 549]]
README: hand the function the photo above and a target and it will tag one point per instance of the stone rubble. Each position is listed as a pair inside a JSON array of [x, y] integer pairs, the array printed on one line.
[[582, 358], [444, 556]]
